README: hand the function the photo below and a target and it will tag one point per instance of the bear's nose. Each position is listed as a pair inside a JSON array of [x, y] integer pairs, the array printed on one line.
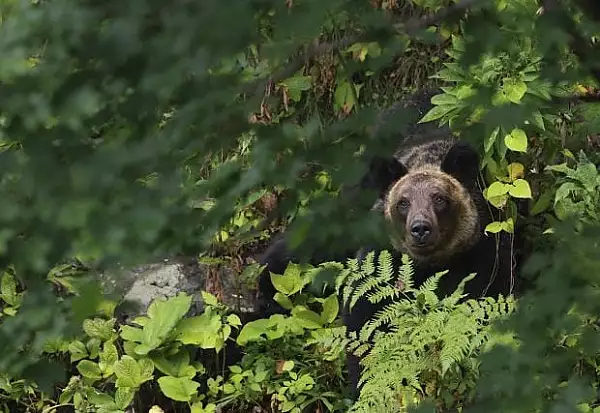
[[420, 230]]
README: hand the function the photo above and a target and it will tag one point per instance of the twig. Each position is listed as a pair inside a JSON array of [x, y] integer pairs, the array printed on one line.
[[411, 27]]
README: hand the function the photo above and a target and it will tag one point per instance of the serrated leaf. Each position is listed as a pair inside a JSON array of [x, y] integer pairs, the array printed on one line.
[[163, 317], [181, 389], [209, 299], [520, 189], [516, 140]]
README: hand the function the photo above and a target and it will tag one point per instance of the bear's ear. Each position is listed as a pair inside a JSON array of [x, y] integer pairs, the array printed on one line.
[[462, 162], [383, 172]]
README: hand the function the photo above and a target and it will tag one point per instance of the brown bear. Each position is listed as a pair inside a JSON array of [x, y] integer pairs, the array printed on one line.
[[431, 197]]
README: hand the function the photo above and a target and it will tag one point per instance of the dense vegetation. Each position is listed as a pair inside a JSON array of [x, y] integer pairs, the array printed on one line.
[[133, 130]]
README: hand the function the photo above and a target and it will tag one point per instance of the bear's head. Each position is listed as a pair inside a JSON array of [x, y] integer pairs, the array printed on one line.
[[430, 206]]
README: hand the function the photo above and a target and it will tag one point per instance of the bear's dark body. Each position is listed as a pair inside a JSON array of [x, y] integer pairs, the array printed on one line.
[[487, 256]]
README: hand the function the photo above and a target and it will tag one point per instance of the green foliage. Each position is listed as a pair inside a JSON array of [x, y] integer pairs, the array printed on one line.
[[128, 133], [422, 347]]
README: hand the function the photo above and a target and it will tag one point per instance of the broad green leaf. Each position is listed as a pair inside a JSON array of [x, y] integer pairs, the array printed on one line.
[[163, 317], [181, 389], [520, 189], [515, 171], [99, 328], [123, 397], [497, 189], [344, 96], [200, 330], [564, 191], [177, 365], [542, 203], [8, 289], [494, 227], [437, 112], [252, 331], [516, 140], [330, 309], [128, 372], [78, 350], [108, 357], [234, 320], [444, 99], [514, 89], [283, 301], [308, 319], [89, 369]]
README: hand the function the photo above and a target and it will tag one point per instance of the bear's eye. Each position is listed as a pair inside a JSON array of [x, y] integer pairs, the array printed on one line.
[[439, 200], [403, 204]]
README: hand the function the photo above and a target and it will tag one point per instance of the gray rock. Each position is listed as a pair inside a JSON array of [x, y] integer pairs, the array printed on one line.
[[140, 285]]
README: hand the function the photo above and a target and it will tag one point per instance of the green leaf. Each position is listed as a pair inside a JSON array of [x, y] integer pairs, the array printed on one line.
[[497, 189], [291, 281], [283, 301], [520, 189], [296, 85], [8, 289], [516, 140], [234, 320], [331, 308], [444, 99], [123, 397], [181, 389], [177, 365], [489, 142], [201, 330], [514, 89], [494, 227], [78, 350], [99, 328], [209, 299], [252, 331], [308, 319], [89, 369], [344, 97], [108, 357], [542, 203], [437, 112], [163, 317], [130, 373]]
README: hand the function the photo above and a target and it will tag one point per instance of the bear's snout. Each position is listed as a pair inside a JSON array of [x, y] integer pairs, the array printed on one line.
[[420, 231]]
